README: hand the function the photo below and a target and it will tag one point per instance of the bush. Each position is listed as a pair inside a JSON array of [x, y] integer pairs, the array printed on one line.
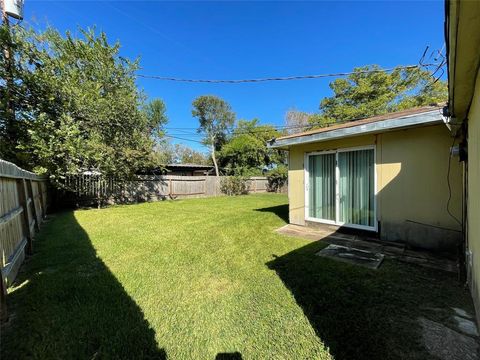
[[277, 178], [234, 185]]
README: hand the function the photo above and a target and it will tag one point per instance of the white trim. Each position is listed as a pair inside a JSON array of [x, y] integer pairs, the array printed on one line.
[[430, 117], [337, 189], [306, 180], [332, 222]]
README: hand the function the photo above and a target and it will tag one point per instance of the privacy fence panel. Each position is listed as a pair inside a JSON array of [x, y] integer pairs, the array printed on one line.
[[23, 203], [95, 188], [258, 184]]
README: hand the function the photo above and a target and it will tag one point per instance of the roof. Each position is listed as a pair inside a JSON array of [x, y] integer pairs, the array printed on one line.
[[462, 37], [190, 166], [393, 121]]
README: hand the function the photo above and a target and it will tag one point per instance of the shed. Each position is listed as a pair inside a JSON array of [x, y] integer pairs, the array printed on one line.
[[189, 169], [391, 175]]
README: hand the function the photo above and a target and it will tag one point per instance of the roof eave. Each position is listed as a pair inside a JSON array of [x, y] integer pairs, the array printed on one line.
[[426, 118], [463, 48]]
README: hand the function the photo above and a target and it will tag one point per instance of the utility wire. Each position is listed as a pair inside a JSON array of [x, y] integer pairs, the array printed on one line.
[[235, 131], [285, 78], [181, 138], [459, 222]]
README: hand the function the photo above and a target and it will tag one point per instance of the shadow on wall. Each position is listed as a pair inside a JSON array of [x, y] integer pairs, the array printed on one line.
[[413, 200], [69, 305], [367, 314]]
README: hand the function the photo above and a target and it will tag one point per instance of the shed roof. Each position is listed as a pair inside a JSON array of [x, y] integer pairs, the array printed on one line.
[[190, 166], [393, 121]]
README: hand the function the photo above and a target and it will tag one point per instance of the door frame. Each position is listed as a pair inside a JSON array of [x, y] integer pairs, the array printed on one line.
[[337, 192]]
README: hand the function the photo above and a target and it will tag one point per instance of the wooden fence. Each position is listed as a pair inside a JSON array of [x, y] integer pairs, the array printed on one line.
[[23, 203], [90, 188]]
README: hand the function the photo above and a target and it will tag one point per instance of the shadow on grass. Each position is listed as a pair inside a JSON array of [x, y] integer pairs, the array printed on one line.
[[229, 356], [67, 304], [280, 210], [367, 314]]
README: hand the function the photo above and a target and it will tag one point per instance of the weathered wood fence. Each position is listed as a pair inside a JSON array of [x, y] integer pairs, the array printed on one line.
[[23, 204], [150, 188]]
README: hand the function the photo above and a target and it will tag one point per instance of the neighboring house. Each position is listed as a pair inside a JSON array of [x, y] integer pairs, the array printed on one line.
[[386, 174], [189, 169], [463, 54]]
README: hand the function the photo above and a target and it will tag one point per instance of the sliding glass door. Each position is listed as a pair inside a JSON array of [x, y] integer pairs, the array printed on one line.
[[322, 186], [341, 187]]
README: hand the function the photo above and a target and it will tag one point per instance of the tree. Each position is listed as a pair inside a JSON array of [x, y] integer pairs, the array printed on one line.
[[9, 129], [186, 155], [156, 113], [246, 152], [365, 93], [77, 106], [296, 121], [167, 153], [215, 117], [163, 153]]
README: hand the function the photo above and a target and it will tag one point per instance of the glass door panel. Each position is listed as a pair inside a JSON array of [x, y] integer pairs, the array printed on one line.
[[322, 186], [356, 187]]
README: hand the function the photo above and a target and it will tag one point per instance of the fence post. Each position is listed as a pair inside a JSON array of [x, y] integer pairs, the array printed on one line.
[[33, 208], [98, 191], [22, 197], [42, 202], [3, 299]]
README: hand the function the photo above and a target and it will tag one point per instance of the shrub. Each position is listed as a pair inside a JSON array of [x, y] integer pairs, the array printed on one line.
[[234, 185], [277, 178]]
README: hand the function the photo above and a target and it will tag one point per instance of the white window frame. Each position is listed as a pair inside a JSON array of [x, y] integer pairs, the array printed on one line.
[[337, 192]]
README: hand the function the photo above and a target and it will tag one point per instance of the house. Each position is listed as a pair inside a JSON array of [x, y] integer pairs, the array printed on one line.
[[462, 34], [391, 175]]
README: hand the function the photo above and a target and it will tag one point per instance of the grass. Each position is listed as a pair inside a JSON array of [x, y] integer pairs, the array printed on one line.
[[209, 279]]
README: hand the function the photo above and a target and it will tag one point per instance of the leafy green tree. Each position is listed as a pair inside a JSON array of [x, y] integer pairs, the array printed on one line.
[[163, 153], [277, 178], [156, 113], [78, 107], [365, 93], [246, 152], [186, 155], [167, 153], [215, 117]]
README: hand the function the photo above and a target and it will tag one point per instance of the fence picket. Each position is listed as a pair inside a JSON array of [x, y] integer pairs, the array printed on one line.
[[18, 208], [145, 188]]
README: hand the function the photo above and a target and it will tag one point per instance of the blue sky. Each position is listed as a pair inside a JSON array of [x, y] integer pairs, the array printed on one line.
[[234, 40]]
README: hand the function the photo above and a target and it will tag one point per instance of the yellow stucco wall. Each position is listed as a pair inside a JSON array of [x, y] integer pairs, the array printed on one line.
[[411, 168], [473, 200]]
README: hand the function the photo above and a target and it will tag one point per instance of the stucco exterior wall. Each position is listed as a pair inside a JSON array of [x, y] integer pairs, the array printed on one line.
[[412, 190], [473, 199]]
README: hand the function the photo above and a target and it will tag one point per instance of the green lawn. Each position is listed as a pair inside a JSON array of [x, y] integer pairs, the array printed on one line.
[[206, 279]]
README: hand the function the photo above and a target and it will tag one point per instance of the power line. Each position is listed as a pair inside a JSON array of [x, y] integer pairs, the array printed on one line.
[[180, 138], [285, 78]]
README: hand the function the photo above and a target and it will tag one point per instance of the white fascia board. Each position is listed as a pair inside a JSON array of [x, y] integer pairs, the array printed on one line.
[[426, 118]]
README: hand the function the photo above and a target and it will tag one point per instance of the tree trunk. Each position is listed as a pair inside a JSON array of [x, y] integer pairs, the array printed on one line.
[[215, 161]]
